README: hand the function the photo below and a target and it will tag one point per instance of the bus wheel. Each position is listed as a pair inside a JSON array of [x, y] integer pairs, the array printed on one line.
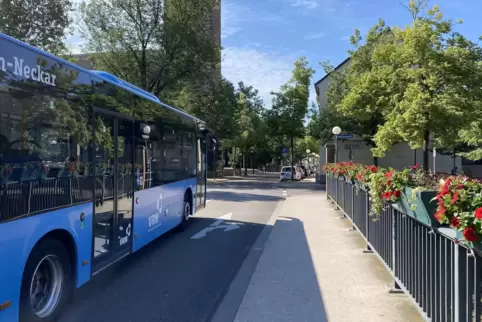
[[186, 213], [47, 282]]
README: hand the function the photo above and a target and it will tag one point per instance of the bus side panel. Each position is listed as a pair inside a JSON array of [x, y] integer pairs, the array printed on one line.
[[18, 237], [158, 210]]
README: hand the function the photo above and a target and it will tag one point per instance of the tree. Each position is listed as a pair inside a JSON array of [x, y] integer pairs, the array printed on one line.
[[249, 125], [217, 104], [356, 99], [41, 24], [430, 78], [290, 104], [156, 49]]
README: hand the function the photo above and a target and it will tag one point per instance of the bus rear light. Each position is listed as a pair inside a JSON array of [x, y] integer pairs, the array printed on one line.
[[5, 305], [137, 200]]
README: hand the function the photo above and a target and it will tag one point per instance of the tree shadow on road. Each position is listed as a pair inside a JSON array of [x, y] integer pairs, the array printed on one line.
[[240, 196], [303, 185]]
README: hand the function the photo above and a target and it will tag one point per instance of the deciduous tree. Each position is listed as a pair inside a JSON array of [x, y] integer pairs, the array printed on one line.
[[431, 80], [290, 104], [42, 24], [158, 45]]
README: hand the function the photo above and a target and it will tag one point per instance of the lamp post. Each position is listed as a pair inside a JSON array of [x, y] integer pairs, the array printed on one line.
[[336, 131]]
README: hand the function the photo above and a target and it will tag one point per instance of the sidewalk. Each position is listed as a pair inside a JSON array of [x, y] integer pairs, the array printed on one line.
[[313, 269]]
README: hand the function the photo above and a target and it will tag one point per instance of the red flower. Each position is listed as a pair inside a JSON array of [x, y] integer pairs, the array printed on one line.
[[454, 222], [373, 168], [478, 213], [460, 186], [389, 174], [439, 216], [387, 195], [444, 191], [441, 209], [455, 198], [470, 234], [397, 193]]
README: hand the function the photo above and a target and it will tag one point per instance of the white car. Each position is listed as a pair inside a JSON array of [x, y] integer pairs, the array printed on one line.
[[286, 174]]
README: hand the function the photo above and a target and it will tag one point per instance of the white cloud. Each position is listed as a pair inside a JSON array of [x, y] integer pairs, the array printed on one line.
[[318, 35], [306, 4], [235, 16], [265, 71], [232, 18]]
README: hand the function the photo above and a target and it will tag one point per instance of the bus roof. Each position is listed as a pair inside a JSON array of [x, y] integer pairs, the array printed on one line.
[[112, 79]]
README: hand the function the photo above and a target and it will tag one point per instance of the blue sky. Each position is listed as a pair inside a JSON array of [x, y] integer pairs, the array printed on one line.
[[262, 38]]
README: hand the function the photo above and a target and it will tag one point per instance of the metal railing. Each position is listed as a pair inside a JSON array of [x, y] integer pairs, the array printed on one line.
[[441, 276]]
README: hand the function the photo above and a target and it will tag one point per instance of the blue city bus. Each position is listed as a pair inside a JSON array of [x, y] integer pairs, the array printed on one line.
[[92, 169]]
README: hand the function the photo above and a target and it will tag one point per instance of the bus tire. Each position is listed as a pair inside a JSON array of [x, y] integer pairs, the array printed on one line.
[[186, 213], [48, 270]]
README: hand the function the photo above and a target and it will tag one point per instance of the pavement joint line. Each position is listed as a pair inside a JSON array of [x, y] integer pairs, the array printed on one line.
[[229, 304]]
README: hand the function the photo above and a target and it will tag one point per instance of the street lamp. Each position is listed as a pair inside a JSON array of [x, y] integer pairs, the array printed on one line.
[[336, 131]]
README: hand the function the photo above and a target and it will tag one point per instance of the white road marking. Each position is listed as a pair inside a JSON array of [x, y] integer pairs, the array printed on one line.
[[217, 225], [222, 218]]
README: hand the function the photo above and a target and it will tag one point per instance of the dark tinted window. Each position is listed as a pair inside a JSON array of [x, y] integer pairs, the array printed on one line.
[[168, 154], [44, 133]]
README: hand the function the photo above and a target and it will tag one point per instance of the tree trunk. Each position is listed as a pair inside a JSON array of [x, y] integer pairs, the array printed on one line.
[[426, 140], [252, 168], [244, 164], [375, 159], [292, 158], [234, 162]]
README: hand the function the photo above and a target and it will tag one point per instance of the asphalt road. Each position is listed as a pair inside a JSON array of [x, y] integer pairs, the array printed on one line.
[[183, 276]]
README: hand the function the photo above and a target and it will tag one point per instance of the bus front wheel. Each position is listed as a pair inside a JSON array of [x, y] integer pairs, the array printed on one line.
[[186, 213], [46, 283]]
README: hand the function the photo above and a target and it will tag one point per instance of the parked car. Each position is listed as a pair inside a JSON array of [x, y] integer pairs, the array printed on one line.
[[286, 174], [301, 172], [305, 172]]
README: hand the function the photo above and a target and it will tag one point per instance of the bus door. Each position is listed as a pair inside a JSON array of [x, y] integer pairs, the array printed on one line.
[[114, 189], [201, 173]]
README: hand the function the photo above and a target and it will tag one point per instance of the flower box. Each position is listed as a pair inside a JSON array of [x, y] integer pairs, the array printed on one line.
[[420, 206], [360, 185], [458, 235]]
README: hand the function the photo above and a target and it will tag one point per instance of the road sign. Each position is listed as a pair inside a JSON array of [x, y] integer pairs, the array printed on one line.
[[344, 136], [218, 225], [284, 150]]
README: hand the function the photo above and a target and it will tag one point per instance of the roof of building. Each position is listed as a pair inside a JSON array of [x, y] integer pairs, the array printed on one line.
[[99, 74], [336, 68]]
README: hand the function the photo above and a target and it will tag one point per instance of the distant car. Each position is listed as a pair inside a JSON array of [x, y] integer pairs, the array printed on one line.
[[286, 174], [305, 173]]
